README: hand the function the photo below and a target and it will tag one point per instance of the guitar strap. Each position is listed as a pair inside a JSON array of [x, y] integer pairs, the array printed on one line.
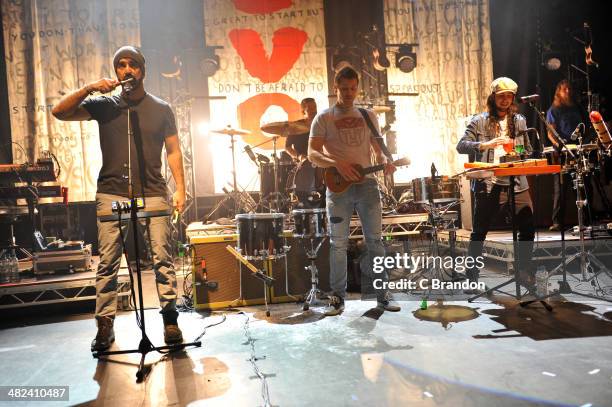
[[379, 139]]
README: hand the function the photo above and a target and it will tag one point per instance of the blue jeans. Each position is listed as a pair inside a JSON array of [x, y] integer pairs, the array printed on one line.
[[110, 247], [365, 198]]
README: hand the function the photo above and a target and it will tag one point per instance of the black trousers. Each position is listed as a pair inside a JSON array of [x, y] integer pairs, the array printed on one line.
[[486, 207]]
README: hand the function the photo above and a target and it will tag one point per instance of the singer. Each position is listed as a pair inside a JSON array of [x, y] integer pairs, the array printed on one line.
[[565, 116], [137, 160], [484, 139]]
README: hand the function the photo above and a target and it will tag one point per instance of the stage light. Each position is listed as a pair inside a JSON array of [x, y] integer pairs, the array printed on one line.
[[406, 59], [341, 58], [209, 64], [552, 64]]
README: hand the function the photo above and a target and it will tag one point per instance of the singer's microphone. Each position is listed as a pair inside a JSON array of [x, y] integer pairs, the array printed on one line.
[[529, 98], [127, 86], [577, 131], [250, 153]]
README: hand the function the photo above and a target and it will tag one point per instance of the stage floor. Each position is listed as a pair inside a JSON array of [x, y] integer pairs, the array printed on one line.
[[505, 356]]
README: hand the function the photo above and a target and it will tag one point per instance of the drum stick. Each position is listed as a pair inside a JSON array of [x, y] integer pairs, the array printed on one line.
[[256, 272]]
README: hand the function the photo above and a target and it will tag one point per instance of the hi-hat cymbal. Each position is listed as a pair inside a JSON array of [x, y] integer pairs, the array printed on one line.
[[232, 132], [285, 128]]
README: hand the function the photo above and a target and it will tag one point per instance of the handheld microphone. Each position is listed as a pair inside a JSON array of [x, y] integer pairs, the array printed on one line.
[[600, 127], [127, 86], [529, 98]]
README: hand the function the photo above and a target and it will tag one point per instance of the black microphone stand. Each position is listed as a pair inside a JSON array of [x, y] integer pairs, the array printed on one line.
[[145, 346]]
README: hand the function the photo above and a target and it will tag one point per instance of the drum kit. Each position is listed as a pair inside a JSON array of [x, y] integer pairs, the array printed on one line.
[[261, 235], [261, 238]]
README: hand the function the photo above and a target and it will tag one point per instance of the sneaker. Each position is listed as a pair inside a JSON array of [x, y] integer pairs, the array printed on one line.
[[335, 307], [555, 227], [172, 333], [387, 303], [105, 336]]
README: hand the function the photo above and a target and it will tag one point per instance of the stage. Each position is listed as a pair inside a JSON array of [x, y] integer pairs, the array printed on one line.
[[501, 355], [507, 356]]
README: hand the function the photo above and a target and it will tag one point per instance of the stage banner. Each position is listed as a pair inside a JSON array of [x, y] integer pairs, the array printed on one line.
[[51, 48], [452, 77], [273, 56]]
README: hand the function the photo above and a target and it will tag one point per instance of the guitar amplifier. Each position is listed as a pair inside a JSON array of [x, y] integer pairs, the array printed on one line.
[[224, 283]]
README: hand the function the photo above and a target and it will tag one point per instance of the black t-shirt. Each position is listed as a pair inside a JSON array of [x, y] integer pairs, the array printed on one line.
[[299, 142], [152, 121]]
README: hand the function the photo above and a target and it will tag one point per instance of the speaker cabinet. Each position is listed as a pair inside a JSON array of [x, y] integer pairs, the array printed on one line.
[[224, 283]]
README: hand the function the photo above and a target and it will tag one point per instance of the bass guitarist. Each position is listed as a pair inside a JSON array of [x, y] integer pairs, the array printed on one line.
[[340, 137]]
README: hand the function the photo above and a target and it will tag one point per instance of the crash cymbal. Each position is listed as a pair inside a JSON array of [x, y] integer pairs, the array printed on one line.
[[380, 109], [232, 132], [285, 128]]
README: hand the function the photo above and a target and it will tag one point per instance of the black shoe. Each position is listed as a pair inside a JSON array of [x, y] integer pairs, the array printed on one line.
[[172, 333], [335, 307], [105, 336]]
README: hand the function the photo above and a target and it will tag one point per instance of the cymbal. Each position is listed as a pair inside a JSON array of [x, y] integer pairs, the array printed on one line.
[[285, 128], [232, 132], [380, 109]]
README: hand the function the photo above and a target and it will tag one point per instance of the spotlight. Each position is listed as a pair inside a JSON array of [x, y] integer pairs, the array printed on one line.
[[406, 59], [341, 58], [209, 64], [551, 61]]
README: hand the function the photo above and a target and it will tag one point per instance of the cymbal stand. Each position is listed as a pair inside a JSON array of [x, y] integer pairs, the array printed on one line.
[[435, 215], [315, 292], [236, 195], [276, 197]]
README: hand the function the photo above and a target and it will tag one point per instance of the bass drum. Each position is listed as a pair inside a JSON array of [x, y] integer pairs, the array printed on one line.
[[307, 186]]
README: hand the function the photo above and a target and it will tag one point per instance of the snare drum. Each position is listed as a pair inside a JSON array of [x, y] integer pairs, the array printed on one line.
[[260, 235], [309, 223]]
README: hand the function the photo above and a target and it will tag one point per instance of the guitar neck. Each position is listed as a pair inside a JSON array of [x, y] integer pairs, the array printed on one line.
[[372, 169]]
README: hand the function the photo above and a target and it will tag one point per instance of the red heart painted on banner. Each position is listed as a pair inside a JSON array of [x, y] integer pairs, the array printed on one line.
[[287, 45], [261, 7]]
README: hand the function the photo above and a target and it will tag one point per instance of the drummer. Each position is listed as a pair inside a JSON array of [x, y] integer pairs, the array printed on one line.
[[564, 115], [297, 144]]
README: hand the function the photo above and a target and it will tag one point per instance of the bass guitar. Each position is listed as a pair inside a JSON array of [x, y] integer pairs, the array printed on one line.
[[336, 183]]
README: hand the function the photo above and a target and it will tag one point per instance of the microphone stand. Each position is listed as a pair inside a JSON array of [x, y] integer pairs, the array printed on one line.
[[145, 346]]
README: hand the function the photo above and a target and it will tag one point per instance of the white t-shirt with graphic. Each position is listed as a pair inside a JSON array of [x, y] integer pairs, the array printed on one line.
[[346, 133]]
